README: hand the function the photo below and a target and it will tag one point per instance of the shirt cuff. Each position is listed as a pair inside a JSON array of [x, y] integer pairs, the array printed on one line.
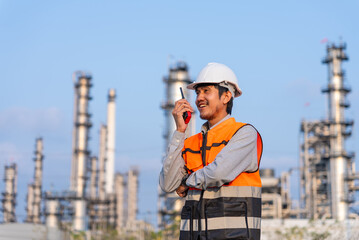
[[194, 181], [178, 136]]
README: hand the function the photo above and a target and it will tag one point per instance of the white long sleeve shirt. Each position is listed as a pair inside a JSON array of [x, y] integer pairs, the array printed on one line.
[[239, 155]]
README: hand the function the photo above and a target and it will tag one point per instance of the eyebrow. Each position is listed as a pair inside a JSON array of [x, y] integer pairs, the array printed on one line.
[[203, 87]]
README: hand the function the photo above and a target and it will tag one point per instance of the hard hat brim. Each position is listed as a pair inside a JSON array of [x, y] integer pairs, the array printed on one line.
[[192, 86]]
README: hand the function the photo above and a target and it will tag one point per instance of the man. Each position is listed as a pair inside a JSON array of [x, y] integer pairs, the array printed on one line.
[[217, 170]]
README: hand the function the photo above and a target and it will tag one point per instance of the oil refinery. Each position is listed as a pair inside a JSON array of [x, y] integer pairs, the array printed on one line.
[[101, 201], [98, 199]]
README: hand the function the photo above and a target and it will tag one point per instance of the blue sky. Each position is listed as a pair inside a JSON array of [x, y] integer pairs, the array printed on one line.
[[273, 46]]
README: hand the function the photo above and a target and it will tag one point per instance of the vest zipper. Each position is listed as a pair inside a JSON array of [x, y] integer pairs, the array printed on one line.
[[204, 146], [199, 208]]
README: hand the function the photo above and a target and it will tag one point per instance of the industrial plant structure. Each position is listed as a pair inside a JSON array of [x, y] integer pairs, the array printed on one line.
[[327, 172], [276, 201], [169, 204], [34, 192], [9, 195], [99, 199], [327, 168], [95, 200]]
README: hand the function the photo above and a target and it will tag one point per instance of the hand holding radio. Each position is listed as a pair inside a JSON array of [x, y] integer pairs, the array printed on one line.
[[186, 115], [182, 113]]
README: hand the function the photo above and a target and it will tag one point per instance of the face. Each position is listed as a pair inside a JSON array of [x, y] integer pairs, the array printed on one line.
[[210, 106]]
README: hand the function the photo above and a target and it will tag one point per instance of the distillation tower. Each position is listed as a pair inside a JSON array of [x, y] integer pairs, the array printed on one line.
[[106, 169], [71, 205], [34, 195], [132, 186], [120, 194], [327, 169], [169, 204], [82, 125], [102, 163], [110, 158], [93, 177], [9, 196]]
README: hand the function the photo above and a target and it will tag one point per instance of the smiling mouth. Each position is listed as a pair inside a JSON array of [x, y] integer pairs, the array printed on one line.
[[202, 105]]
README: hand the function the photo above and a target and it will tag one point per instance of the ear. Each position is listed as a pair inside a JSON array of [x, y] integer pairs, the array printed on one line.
[[226, 96]]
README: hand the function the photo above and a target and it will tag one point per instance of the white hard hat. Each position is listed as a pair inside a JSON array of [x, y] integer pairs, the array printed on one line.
[[218, 73]]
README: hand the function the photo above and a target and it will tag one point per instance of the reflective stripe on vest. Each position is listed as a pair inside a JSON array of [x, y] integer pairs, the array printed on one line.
[[223, 223], [234, 191]]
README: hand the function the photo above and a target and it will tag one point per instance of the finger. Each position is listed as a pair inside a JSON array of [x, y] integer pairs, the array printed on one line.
[[184, 108], [187, 107], [181, 103], [178, 113], [187, 104]]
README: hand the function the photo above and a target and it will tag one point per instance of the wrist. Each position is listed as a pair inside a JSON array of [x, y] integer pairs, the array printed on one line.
[[181, 130], [183, 182]]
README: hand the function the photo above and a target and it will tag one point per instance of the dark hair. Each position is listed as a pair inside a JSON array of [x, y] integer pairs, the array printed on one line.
[[221, 90]]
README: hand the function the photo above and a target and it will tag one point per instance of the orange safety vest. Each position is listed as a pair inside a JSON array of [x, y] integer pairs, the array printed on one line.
[[233, 209]]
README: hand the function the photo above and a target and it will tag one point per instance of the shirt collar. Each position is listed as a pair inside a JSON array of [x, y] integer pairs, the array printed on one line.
[[205, 127]]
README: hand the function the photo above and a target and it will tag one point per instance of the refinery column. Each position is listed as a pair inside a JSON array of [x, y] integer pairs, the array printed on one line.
[[101, 181], [37, 186], [29, 203], [168, 204], [102, 163], [81, 153], [93, 179], [9, 196], [132, 198], [120, 193], [340, 161], [110, 156], [34, 195]]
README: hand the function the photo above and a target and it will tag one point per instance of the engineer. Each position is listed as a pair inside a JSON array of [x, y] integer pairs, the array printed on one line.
[[217, 170]]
